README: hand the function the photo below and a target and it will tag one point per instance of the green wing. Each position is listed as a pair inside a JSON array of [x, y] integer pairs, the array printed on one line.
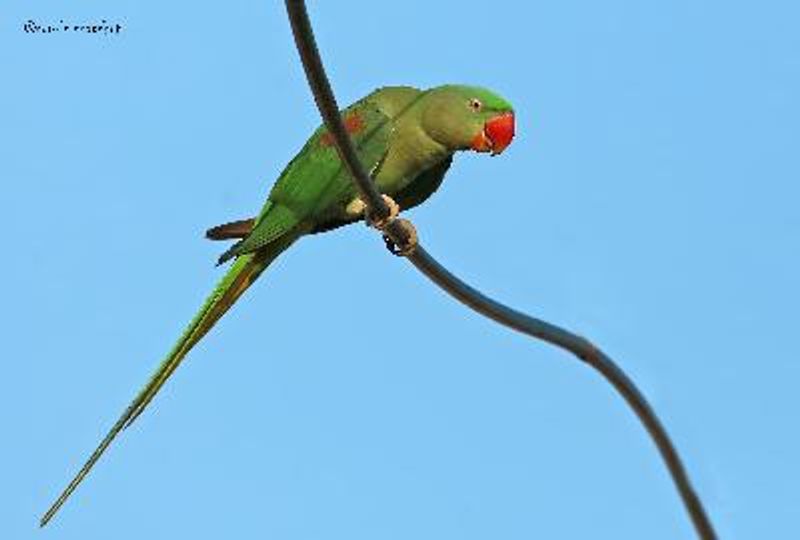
[[315, 187]]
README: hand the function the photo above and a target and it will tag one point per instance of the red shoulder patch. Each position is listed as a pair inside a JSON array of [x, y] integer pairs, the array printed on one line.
[[353, 124]]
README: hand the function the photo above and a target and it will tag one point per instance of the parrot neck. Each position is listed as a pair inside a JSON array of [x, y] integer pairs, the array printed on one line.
[[411, 150]]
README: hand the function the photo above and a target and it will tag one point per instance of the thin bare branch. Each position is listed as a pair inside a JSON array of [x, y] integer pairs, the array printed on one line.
[[580, 347]]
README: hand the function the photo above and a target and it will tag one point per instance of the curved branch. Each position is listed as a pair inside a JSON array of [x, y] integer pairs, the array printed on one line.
[[326, 103], [579, 346]]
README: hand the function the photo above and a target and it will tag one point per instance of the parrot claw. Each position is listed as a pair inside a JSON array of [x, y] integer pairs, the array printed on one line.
[[411, 241], [405, 229], [394, 211], [357, 207]]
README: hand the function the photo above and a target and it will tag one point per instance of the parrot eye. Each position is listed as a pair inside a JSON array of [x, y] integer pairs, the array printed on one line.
[[475, 104]]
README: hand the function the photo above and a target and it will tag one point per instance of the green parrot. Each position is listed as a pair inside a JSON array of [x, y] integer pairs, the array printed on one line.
[[404, 137]]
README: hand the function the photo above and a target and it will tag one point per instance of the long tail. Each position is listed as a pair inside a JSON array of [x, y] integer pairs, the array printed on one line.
[[242, 274]]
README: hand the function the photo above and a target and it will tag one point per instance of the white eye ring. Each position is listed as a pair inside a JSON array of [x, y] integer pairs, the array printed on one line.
[[475, 104]]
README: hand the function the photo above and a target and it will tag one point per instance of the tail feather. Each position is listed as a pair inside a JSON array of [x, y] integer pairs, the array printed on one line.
[[242, 274], [230, 231]]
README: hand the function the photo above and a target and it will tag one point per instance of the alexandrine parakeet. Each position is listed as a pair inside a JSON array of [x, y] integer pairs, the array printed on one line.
[[404, 137]]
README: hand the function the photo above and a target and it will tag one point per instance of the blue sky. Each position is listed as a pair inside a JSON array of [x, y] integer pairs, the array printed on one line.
[[649, 202]]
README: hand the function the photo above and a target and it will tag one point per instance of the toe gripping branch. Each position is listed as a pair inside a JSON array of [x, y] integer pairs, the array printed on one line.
[[399, 234]]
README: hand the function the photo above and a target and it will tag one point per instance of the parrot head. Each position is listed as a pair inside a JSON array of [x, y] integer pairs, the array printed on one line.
[[468, 117]]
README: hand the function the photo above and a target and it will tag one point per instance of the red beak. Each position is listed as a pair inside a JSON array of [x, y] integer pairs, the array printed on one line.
[[496, 135]]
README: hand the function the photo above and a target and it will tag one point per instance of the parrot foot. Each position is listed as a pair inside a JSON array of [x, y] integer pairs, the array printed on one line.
[[381, 223], [411, 239], [357, 207]]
